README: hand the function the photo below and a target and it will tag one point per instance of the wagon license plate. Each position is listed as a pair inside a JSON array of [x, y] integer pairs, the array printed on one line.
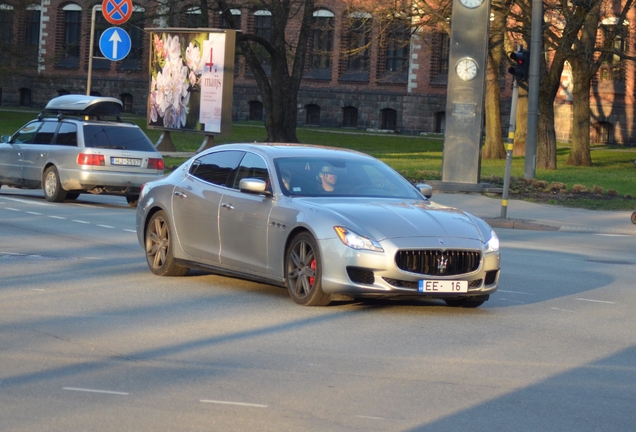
[[443, 286], [125, 161]]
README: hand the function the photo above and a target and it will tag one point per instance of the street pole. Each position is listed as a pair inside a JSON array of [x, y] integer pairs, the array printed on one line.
[[90, 50], [509, 146]]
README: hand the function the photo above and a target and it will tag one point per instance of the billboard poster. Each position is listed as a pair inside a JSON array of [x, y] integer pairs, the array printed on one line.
[[191, 80]]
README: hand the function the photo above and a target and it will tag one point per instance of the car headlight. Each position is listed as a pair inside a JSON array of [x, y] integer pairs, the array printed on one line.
[[492, 245], [356, 241]]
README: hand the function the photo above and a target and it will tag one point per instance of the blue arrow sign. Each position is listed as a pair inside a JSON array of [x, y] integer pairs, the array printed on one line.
[[114, 43]]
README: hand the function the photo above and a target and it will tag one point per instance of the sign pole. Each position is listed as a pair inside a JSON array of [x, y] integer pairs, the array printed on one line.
[[90, 50]]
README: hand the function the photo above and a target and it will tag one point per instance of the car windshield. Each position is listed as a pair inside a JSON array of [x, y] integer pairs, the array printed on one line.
[[344, 177], [116, 137]]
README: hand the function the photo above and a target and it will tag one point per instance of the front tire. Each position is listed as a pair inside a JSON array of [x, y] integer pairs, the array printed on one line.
[[303, 272], [51, 185], [158, 241]]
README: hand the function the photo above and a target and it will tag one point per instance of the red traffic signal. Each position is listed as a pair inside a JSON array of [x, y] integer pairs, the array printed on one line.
[[522, 63]]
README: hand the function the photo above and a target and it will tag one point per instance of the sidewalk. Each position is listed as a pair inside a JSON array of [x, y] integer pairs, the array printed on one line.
[[527, 215]]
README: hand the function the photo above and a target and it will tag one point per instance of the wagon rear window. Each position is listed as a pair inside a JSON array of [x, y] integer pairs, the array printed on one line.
[[116, 137]]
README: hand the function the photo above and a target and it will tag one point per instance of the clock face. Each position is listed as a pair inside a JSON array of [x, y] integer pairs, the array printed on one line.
[[471, 4], [466, 69]]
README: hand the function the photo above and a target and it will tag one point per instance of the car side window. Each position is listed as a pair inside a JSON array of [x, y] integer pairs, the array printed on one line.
[[252, 166], [218, 167], [46, 133], [67, 135], [26, 134]]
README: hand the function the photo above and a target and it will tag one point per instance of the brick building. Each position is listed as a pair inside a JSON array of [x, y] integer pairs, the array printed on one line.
[[389, 85]]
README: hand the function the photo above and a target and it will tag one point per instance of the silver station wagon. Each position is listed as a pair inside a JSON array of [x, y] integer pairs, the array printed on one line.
[[71, 149]]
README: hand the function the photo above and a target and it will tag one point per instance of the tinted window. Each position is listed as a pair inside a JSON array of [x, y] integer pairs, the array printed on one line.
[[26, 134], [116, 137], [252, 166], [217, 168], [67, 135], [46, 133]]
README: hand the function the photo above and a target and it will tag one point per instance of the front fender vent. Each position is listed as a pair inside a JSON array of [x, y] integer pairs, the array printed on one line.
[[435, 262]]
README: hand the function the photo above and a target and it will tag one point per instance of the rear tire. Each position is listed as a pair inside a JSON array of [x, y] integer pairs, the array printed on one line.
[[132, 200], [303, 272], [634, 217], [51, 185], [158, 241]]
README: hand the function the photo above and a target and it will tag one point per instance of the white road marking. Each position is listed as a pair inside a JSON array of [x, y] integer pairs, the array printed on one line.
[[105, 226], [563, 310], [514, 292], [95, 391], [132, 231], [511, 301], [233, 403], [370, 417], [57, 217], [28, 202], [34, 213], [595, 301], [12, 209], [613, 235], [80, 221]]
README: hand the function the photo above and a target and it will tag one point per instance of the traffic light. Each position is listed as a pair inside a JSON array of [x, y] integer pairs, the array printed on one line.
[[522, 62]]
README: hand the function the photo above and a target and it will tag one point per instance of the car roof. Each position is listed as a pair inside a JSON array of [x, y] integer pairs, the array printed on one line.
[[274, 150], [84, 105]]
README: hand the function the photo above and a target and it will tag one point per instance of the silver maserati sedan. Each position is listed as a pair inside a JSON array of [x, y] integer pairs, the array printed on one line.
[[319, 221]]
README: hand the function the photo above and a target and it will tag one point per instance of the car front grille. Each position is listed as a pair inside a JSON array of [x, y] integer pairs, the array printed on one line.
[[435, 262]]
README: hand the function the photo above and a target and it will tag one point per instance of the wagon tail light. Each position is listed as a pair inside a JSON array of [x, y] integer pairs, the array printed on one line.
[[155, 163], [90, 159]]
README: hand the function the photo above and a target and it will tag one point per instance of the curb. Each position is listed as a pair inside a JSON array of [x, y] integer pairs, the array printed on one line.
[[530, 225]]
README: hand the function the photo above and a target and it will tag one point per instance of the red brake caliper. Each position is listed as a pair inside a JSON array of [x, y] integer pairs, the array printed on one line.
[[313, 267]]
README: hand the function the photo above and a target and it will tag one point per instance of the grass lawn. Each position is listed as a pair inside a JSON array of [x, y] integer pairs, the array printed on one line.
[[420, 157]]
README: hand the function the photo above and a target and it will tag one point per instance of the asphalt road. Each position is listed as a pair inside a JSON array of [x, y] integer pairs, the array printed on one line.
[[91, 340]]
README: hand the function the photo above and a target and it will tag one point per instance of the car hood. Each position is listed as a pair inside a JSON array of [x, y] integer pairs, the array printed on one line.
[[397, 219]]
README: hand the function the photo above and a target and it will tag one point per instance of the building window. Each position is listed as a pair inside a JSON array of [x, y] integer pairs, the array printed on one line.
[[62, 92], [193, 17], [395, 50], [135, 29], [0, 96], [236, 15], [6, 33], [613, 68], [71, 33], [389, 119], [32, 36], [350, 117], [25, 97], [256, 111], [321, 45], [313, 114], [127, 101], [440, 122], [263, 28], [100, 26], [602, 133], [439, 58], [357, 40]]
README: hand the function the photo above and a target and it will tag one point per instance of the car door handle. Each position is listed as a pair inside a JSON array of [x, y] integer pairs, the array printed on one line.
[[227, 206], [180, 194]]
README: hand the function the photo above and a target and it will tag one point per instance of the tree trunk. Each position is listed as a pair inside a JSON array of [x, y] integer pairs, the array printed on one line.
[[546, 135], [580, 153], [494, 148]]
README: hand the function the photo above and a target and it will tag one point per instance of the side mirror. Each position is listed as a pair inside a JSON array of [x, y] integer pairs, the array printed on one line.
[[426, 190], [254, 186], [5, 138]]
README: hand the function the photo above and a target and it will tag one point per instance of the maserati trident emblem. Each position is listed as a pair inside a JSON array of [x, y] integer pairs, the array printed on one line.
[[442, 264]]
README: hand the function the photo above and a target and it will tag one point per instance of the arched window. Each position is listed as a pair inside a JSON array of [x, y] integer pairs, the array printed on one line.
[[6, 26], [389, 119], [256, 111], [393, 58], [321, 45], [350, 117], [127, 101], [25, 97], [70, 29], [603, 133], [313, 114], [356, 44], [193, 17], [31, 47]]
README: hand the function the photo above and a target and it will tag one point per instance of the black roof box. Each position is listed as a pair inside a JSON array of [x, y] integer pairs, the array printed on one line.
[[84, 105]]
